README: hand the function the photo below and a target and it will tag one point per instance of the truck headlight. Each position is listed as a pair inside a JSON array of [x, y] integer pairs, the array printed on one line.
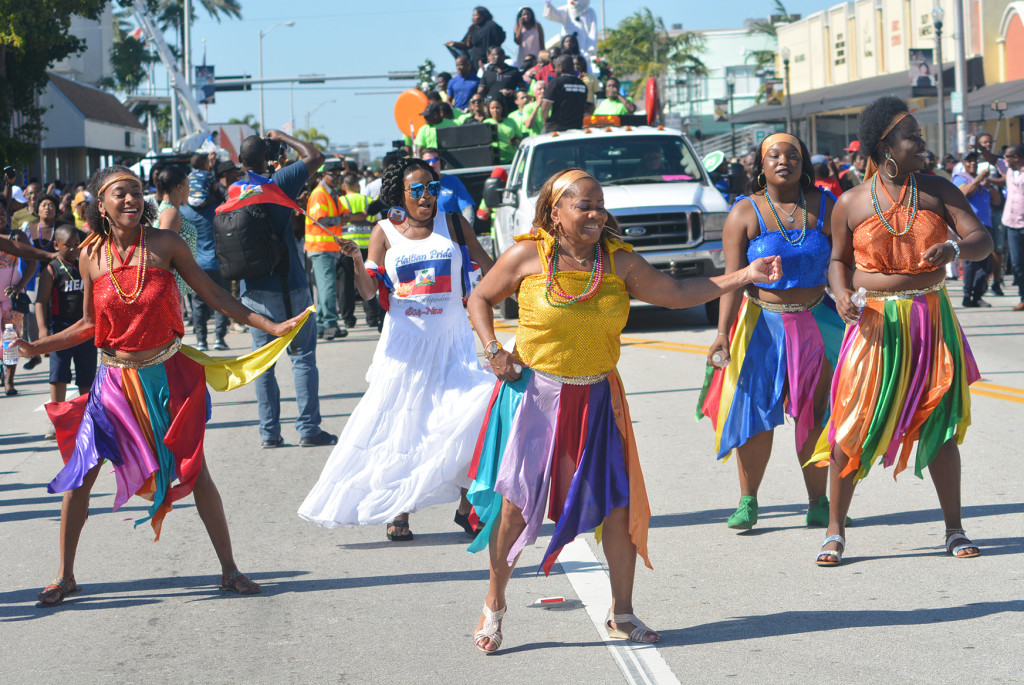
[[714, 223]]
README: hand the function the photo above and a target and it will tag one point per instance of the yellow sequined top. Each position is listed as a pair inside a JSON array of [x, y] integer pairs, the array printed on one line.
[[581, 339]]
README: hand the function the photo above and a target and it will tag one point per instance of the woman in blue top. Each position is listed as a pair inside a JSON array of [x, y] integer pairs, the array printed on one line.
[[779, 354]]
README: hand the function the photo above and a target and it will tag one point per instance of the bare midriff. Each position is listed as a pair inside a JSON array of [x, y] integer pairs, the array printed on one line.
[[787, 296]]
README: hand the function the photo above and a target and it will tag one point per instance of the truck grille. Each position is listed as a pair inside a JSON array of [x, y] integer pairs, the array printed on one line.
[[662, 230]]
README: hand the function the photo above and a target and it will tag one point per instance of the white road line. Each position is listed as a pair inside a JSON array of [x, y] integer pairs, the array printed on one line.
[[638, 663]]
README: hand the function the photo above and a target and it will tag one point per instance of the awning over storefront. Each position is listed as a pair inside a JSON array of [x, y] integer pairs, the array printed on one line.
[[979, 104], [850, 98]]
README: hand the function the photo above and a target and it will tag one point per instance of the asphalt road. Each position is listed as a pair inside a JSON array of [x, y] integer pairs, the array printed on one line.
[[345, 605]]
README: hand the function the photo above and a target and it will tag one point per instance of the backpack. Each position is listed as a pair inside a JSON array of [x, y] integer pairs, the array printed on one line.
[[247, 245]]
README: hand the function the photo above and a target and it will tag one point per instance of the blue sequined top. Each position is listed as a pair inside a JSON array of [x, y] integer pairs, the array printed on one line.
[[804, 265]]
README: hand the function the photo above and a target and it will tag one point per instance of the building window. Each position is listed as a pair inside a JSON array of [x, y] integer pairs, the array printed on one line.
[[127, 139]]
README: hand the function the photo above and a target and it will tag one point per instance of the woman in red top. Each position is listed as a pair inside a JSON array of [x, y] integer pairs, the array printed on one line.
[[146, 411]]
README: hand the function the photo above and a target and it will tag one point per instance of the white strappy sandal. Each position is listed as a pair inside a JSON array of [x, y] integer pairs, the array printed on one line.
[[837, 553], [491, 629], [638, 634], [955, 535]]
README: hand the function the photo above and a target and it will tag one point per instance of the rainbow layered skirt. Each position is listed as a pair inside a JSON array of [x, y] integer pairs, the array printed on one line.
[[903, 377], [560, 446], [150, 422], [777, 358]]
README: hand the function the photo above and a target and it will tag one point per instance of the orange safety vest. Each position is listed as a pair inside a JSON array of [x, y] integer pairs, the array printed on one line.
[[322, 204]]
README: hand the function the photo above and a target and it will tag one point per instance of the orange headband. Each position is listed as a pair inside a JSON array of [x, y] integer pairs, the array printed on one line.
[[780, 138], [121, 177], [566, 180]]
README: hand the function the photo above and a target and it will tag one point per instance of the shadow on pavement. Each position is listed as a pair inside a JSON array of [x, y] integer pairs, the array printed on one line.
[[799, 622]]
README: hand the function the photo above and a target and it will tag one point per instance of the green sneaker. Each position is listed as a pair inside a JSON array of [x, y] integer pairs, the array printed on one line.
[[746, 514], [817, 514]]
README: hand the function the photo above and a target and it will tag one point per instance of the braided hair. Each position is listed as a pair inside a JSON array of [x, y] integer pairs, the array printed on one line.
[[392, 184], [92, 210]]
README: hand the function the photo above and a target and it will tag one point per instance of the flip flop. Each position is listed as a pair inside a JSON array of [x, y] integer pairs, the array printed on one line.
[[399, 535], [59, 588]]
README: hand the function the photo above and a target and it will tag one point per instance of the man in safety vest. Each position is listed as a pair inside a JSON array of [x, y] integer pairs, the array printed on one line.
[[353, 206], [323, 251]]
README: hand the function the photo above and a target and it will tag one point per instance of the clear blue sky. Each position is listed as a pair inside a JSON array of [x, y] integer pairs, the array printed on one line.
[[351, 37]]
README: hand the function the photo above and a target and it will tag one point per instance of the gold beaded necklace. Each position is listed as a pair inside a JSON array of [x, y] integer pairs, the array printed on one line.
[[140, 276]]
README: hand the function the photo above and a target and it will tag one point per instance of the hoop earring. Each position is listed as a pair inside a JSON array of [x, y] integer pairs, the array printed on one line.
[[810, 181], [885, 165], [761, 180], [106, 224]]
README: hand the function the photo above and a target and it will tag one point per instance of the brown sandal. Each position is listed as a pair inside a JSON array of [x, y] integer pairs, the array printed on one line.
[[239, 583], [54, 593]]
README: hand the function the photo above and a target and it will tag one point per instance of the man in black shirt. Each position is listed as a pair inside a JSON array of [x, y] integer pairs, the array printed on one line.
[[500, 79], [564, 99]]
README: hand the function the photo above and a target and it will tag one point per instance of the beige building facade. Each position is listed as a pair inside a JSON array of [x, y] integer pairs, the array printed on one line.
[[864, 47]]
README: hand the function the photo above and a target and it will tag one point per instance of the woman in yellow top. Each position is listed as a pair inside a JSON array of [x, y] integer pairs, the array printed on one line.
[[558, 426]]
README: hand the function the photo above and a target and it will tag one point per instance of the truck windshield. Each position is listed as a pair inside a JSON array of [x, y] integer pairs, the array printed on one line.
[[617, 161]]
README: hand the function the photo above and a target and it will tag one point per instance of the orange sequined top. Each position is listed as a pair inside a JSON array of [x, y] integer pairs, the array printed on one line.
[[151, 321], [581, 339], [876, 250]]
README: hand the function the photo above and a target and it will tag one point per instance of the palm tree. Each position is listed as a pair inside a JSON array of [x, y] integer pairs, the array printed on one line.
[[249, 120], [312, 135], [171, 13], [641, 47], [763, 59]]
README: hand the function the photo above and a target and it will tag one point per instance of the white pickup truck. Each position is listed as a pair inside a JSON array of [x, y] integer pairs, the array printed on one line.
[[654, 184]]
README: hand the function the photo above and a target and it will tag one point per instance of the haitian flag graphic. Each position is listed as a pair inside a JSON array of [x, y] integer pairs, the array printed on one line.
[[257, 190], [424, 277]]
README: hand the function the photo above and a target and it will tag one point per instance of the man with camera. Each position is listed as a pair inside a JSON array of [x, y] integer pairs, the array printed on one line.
[[280, 298]]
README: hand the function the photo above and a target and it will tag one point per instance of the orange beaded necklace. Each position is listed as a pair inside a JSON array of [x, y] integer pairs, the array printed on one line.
[[140, 276]]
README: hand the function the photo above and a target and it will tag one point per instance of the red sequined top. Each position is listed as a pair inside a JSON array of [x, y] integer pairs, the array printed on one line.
[[151, 321]]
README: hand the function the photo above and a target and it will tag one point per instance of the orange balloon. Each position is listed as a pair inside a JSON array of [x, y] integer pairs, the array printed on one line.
[[407, 111]]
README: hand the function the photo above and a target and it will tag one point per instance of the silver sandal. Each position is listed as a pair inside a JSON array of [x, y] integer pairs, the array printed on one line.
[[491, 629], [638, 634], [837, 553]]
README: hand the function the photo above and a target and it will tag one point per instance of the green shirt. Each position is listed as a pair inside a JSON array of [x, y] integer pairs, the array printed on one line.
[[609, 106], [507, 130], [427, 135]]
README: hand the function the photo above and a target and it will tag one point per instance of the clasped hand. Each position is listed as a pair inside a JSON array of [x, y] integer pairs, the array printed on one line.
[[765, 269], [504, 363]]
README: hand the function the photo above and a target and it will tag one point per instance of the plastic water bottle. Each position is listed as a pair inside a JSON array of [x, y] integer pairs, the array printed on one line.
[[859, 298], [10, 350], [718, 359]]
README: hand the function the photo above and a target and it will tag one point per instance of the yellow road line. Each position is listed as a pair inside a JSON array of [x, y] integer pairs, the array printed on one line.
[[981, 388], [999, 388]]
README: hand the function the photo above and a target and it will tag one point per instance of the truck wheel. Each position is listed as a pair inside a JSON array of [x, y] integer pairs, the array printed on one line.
[[510, 309], [711, 310]]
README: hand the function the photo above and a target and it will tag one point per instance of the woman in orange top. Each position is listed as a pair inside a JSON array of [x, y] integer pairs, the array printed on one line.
[[904, 367], [558, 421]]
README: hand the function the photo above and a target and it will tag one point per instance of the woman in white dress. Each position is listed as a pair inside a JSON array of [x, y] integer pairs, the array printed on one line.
[[409, 442]]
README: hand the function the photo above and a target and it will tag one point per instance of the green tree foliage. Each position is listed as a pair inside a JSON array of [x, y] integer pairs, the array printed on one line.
[[314, 136], [640, 47], [769, 27], [171, 13], [249, 120], [128, 57], [33, 35]]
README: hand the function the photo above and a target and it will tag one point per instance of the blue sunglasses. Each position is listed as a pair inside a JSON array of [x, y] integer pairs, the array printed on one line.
[[416, 189]]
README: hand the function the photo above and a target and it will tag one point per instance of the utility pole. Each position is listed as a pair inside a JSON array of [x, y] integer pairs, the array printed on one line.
[[960, 45], [937, 23], [789, 99], [187, 46]]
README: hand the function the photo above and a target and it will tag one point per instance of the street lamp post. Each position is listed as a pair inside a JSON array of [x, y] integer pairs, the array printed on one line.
[[939, 85], [308, 113], [263, 128], [730, 82], [789, 102]]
